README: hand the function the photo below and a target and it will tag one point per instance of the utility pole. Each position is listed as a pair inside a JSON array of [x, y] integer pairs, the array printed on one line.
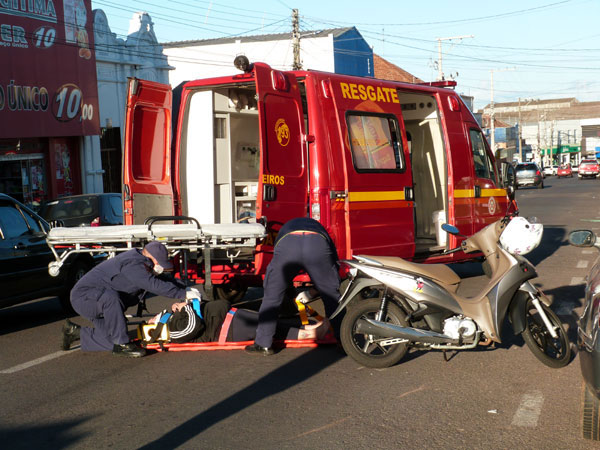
[[440, 71], [297, 65], [492, 105], [519, 134]]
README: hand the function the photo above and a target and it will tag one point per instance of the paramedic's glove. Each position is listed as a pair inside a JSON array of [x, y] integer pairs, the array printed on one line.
[[192, 293]]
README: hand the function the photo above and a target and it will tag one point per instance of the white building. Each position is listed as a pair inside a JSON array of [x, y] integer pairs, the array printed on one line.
[[339, 50], [140, 56]]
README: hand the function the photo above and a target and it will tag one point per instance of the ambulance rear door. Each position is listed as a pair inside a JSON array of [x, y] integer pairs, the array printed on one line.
[[283, 180], [147, 188], [379, 184]]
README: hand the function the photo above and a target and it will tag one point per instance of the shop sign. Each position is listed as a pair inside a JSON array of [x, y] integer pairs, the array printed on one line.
[[48, 81]]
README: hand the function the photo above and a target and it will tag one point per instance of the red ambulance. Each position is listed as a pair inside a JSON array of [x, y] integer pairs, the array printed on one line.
[[381, 164]]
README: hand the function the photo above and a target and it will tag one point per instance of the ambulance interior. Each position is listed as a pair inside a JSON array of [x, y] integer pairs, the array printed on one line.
[[220, 155], [428, 161]]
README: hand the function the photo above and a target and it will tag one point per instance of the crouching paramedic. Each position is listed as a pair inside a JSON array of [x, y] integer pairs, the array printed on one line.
[[104, 293], [302, 244]]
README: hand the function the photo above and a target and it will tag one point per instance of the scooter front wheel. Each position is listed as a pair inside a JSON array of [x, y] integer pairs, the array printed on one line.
[[366, 349], [553, 352]]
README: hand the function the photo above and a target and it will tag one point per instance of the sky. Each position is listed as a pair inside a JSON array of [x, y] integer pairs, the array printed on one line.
[[532, 49]]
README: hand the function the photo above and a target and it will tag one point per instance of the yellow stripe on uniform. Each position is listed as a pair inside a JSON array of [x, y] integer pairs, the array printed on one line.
[[376, 196]]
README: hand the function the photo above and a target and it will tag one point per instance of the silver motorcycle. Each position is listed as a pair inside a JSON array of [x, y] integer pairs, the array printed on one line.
[[392, 305]]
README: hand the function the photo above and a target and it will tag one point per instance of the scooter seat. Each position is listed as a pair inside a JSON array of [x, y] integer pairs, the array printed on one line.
[[438, 272]]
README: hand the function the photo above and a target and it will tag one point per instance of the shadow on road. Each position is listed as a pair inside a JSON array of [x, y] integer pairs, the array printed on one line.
[[30, 315], [281, 379], [552, 239], [53, 436]]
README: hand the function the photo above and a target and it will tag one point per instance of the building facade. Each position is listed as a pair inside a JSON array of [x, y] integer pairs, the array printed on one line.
[[556, 130], [62, 96]]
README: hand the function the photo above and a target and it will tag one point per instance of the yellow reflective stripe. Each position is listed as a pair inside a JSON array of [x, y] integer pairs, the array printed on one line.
[[376, 196], [493, 192], [470, 193], [464, 193]]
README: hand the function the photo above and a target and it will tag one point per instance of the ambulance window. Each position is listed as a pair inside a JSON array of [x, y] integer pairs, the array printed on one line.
[[484, 167], [375, 143]]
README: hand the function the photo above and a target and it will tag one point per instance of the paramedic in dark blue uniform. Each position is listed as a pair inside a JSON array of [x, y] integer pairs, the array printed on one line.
[[104, 293], [302, 244]]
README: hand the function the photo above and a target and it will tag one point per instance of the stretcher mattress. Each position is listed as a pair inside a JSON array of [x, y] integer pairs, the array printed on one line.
[[161, 232]]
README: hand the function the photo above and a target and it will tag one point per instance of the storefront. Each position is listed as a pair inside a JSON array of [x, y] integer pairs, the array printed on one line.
[[48, 98]]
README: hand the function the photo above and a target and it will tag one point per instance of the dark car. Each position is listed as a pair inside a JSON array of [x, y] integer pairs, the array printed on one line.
[[588, 334], [84, 210], [24, 258], [529, 174]]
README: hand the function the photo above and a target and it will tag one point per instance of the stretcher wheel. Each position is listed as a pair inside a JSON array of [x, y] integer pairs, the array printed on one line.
[[53, 269]]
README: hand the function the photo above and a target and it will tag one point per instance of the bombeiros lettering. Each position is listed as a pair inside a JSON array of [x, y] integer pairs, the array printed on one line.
[[368, 92], [274, 179]]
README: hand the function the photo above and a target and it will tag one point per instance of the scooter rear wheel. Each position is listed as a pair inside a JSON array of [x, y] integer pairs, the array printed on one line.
[[552, 352], [358, 345]]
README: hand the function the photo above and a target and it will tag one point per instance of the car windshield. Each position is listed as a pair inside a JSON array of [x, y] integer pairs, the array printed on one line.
[[70, 207]]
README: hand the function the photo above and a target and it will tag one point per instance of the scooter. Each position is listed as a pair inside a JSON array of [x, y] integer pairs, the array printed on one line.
[[392, 304]]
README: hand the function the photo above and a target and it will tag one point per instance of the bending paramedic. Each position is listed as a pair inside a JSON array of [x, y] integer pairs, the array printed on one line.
[[105, 292], [302, 244]]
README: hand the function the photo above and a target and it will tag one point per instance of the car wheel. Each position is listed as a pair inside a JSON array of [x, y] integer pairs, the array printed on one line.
[[590, 417], [76, 272]]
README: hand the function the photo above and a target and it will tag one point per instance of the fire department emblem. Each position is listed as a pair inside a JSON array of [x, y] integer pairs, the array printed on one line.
[[492, 205], [282, 131]]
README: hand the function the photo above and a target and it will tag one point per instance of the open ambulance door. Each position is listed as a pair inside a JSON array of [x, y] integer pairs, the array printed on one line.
[[283, 177], [147, 188], [379, 184]]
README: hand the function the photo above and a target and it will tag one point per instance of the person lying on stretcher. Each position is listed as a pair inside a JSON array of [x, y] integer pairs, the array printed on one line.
[[185, 325]]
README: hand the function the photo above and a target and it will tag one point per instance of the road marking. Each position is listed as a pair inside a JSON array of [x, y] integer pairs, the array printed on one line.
[[588, 252], [582, 264], [576, 280], [35, 362], [529, 410]]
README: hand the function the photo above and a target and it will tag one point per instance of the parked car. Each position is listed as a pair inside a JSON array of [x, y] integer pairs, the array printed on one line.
[[24, 258], [550, 170], [84, 210], [565, 171], [588, 330], [529, 174], [588, 168], [575, 168]]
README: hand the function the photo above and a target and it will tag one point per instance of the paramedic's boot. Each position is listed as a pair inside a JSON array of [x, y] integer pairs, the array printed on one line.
[[70, 334], [130, 350], [257, 349]]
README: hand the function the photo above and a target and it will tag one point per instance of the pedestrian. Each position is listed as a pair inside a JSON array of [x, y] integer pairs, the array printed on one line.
[[302, 244], [105, 292]]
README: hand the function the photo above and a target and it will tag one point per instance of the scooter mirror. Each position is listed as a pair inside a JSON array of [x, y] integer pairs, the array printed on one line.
[[451, 229], [582, 238]]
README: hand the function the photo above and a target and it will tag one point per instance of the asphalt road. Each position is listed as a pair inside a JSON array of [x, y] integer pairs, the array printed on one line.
[[493, 398]]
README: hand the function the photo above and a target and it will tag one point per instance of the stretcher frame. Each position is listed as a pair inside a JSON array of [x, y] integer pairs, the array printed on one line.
[[177, 237], [240, 345]]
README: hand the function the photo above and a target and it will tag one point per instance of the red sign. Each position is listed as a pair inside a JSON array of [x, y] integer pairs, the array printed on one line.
[[48, 81]]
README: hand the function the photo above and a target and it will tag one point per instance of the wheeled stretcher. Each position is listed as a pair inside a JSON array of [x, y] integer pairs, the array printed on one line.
[[180, 238]]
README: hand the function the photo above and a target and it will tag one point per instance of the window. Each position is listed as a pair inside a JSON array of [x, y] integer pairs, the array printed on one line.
[[11, 221], [374, 142], [484, 168]]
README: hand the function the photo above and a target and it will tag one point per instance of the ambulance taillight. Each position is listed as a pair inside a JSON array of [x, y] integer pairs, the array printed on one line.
[[320, 206]]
